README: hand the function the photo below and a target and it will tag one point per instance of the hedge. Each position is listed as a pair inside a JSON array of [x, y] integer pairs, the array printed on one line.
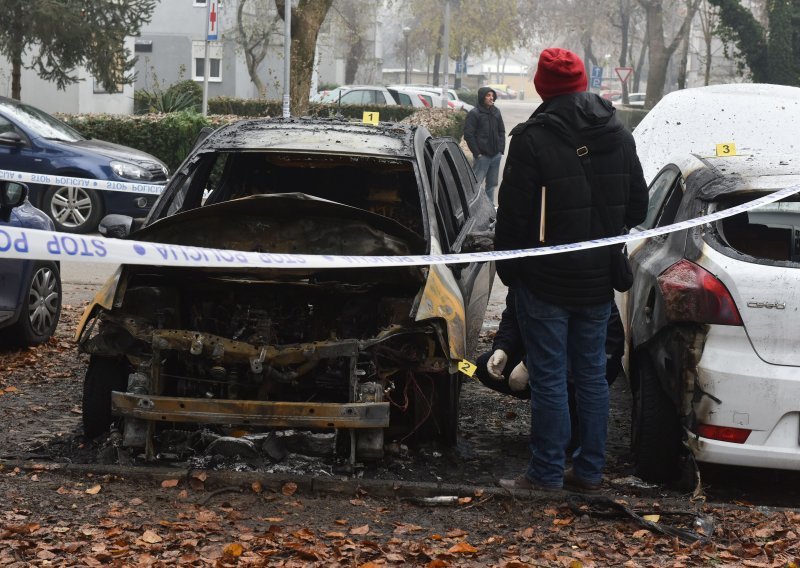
[[170, 136]]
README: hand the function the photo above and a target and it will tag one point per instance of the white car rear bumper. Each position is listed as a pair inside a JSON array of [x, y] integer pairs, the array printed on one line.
[[753, 395]]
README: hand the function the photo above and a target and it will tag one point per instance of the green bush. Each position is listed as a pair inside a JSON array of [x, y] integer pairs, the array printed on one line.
[[182, 96], [169, 137]]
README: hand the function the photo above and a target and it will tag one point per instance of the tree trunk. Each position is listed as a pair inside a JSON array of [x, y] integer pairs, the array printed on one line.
[[436, 60], [307, 18], [684, 63], [637, 72], [354, 57], [624, 30], [660, 52], [16, 76]]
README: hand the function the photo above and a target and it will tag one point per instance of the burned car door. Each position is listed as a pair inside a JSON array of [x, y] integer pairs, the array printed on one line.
[[462, 211], [649, 257]]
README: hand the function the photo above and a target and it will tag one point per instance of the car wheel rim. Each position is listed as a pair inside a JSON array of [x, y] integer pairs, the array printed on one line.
[[43, 301], [71, 206]]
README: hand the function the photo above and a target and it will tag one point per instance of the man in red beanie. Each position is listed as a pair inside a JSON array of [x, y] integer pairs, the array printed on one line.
[[571, 175]]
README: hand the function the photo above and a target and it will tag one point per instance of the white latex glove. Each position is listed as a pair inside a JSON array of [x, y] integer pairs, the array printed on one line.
[[519, 377], [496, 364]]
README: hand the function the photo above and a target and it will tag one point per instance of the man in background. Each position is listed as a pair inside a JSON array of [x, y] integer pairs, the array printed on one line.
[[485, 135]]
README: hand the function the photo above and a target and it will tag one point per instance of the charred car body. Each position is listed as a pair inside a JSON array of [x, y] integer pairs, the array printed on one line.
[[366, 351], [711, 319]]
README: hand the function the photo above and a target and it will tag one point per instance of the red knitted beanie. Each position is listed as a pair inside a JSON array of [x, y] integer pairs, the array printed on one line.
[[559, 72]]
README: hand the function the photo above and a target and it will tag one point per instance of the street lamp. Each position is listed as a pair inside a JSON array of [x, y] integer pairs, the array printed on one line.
[[406, 31]]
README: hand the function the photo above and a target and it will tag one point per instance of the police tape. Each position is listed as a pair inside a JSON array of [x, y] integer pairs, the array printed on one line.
[[36, 244], [86, 183]]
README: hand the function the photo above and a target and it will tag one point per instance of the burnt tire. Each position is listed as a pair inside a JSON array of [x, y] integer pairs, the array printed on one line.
[[655, 428], [73, 209], [448, 409], [41, 307], [105, 374]]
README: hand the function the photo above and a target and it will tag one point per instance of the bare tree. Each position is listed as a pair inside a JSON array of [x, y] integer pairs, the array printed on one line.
[[709, 18], [307, 18], [255, 25], [660, 52]]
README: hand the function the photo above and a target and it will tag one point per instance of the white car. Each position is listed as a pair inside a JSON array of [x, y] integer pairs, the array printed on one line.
[[634, 99], [712, 327], [753, 117], [713, 337], [453, 101], [356, 95]]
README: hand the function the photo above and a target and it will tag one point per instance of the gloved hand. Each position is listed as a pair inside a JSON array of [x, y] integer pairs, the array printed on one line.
[[518, 379], [496, 364]]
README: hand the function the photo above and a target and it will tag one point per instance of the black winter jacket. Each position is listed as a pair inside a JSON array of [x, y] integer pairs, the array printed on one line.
[[540, 156], [484, 131]]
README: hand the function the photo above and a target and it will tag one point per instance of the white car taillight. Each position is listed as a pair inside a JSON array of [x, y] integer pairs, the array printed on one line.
[[692, 294]]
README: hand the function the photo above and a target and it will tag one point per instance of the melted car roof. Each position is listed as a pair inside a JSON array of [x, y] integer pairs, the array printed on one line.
[[315, 135]]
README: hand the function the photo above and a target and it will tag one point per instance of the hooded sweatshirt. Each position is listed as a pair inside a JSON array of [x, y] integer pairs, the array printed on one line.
[[542, 158], [484, 130]]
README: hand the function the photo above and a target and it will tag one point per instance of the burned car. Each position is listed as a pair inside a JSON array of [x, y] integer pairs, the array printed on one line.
[[370, 352], [712, 319]]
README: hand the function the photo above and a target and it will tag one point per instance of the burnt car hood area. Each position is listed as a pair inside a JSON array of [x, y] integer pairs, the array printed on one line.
[[367, 352]]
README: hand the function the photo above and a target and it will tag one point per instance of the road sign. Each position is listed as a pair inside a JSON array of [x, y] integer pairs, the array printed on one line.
[[213, 20], [597, 77], [623, 73]]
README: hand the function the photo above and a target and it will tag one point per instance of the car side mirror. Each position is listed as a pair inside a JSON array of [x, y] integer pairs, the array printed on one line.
[[116, 226], [12, 194], [11, 138], [479, 241]]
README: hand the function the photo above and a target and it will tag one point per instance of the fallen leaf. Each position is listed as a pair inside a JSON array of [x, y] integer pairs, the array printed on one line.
[[340, 521], [651, 518], [11, 389], [94, 490], [150, 537], [170, 483], [462, 547], [233, 549], [464, 500], [335, 535], [289, 488], [201, 475], [274, 519], [256, 487], [364, 529], [456, 533]]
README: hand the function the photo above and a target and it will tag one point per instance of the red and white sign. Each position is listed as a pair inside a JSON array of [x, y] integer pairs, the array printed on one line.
[[213, 20], [623, 73]]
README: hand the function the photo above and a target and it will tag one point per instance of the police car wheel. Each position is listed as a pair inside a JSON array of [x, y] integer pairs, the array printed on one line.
[[73, 209]]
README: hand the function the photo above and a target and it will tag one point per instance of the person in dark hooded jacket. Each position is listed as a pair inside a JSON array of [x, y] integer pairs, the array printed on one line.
[[485, 135], [564, 300]]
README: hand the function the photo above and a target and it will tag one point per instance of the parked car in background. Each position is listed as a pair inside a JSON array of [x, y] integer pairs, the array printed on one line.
[[33, 141], [30, 290], [754, 117], [370, 352], [453, 100], [711, 320], [427, 97], [634, 99], [405, 98], [504, 91], [357, 95]]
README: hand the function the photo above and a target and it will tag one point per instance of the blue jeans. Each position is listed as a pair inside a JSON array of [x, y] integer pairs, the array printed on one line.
[[552, 333], [488, 168]]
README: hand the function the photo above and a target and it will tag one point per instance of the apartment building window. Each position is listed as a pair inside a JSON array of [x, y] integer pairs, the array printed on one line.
[[214, 61]]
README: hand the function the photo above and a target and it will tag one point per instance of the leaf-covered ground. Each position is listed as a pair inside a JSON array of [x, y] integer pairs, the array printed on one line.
[[49, 516]]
